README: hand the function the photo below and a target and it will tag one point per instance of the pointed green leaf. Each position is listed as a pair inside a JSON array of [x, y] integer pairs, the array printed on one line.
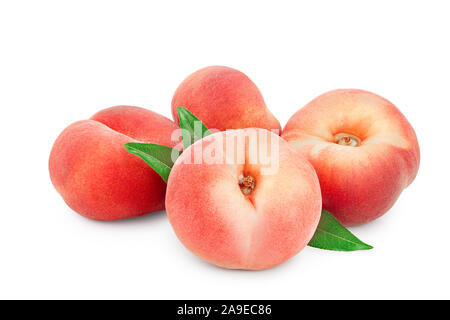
[[331, 235], [159, 157], [192, 129]]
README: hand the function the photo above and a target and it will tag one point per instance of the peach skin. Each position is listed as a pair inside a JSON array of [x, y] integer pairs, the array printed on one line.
[[363, 149], [243, 199], [223, 98], [97, 177]]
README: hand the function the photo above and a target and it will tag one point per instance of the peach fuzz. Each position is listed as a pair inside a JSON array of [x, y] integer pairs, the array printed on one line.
[[97, 177], [363, 149], [235, 212], [223, 98]]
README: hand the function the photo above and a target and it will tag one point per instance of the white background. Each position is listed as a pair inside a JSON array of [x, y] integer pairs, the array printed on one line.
[[61, 61]]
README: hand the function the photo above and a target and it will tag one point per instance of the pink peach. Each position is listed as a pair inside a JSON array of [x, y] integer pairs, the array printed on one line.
[[223, 98], [243, 199], [363, 149], [97, 177]]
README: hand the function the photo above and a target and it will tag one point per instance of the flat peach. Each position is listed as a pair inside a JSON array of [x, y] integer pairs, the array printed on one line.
[[243, 199], [363, 149], [224, 98], [97, 177]]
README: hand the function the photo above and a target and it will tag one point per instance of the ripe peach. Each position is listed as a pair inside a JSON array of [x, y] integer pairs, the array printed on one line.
[[97, 177], [243, 199], [223, 98], [363, 149]]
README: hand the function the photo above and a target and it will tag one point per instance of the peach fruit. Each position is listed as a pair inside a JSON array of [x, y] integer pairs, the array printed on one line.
[[243, 199], [363, 149], [97, 177], [223, 98]]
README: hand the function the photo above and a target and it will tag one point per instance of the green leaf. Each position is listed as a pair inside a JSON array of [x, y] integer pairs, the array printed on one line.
[[159, 157], [331, 235], [192, 129]]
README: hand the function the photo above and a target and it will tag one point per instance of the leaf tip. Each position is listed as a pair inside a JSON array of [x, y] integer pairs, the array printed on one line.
[[182, 110], [366, 246], [128, 146]]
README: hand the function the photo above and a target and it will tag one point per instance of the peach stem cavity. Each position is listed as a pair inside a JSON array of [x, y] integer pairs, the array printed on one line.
[[347, 139], [247, 184]]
